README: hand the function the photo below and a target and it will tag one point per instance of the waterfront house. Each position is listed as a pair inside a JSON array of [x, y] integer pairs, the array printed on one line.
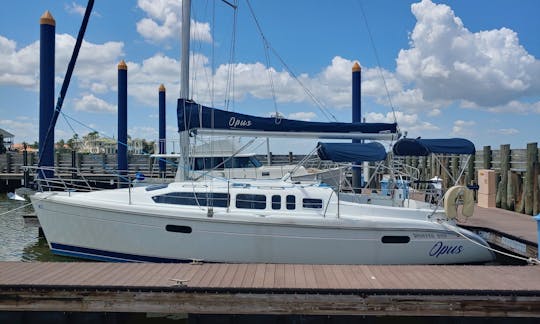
[[8, 139]]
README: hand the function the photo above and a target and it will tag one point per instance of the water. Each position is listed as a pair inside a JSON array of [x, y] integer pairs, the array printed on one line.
[[19, 239]]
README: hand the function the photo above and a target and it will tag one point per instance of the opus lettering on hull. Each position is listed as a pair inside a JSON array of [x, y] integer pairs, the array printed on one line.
[[233, 122], [440, 249]]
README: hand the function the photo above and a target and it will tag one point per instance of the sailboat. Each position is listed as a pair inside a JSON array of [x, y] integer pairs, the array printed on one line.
[[249, 220]]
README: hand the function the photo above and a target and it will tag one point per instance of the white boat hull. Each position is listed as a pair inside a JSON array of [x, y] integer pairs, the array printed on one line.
[[133, 233]]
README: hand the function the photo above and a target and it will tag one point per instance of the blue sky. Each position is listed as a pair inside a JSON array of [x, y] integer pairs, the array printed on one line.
[[452, 68]]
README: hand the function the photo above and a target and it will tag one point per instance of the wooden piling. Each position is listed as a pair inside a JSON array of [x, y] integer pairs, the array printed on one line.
[[455, 169], [505, 166], [536, 194], [486, 162], [532, 160], [470, 177], [512, 190]]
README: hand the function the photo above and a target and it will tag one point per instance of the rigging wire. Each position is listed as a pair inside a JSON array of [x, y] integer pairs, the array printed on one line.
[[267, 46], [67, 77], [379, 69], [230, 84]]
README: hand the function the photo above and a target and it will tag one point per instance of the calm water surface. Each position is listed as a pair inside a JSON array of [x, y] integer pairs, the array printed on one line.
[[19, 239]]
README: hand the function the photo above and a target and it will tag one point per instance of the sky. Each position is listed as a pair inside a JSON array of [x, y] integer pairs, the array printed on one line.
[[441, 69]]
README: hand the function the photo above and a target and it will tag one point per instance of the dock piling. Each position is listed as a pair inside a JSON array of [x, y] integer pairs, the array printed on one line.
[[122, 119], [162, 134], [46, 92]]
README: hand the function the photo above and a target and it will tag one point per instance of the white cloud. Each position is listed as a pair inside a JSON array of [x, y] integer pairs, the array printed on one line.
[[447, 62], [95, 69], [306, 116], [463, 128], [91, 103], [407, 122], [517, 107], [75, 8], [504, 131], [23, 128], [149, 133], [18, 67], [164, 22]]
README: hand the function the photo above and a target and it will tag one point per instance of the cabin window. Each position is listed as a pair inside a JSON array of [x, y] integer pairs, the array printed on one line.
[[311, 203], [291, 202], [211, 199], [178, 229], [255, 162], [249, 201], [157, 187], [395, 239], [276, 202], [207, 163], [242, 162]]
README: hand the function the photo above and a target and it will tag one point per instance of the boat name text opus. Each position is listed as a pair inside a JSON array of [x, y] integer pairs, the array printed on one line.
[[234, 122], [440, 249]]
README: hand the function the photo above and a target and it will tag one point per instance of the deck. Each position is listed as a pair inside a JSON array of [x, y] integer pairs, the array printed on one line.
[[510, 291], [512, 231]]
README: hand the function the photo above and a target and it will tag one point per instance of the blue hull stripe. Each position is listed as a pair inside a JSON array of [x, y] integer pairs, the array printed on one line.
[[101, 255]]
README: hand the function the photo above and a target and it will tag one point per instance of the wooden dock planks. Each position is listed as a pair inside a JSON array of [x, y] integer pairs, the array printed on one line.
[[271, 289], [272, 276]]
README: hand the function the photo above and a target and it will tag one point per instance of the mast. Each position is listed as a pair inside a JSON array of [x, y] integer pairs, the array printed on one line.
[[184, 63], [183, 168]]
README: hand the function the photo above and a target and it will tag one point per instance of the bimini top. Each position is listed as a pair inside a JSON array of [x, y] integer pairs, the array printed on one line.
[[200, 119], [423, 147], [351, 152]]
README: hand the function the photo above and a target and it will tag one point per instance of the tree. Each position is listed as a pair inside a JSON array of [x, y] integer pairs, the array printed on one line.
[[73, 142], [148, 147], [59, 146]]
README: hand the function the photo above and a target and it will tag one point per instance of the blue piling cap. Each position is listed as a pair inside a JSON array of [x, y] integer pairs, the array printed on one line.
[[537, 217]]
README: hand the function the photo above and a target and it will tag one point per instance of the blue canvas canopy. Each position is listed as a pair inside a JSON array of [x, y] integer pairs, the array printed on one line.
[[193, 117], [423, 147], [351, 152]]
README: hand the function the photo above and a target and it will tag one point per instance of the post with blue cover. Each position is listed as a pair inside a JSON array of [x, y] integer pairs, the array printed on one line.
[[122, 121], [162, 136], [46, 93], [537, 218], [356, 118]]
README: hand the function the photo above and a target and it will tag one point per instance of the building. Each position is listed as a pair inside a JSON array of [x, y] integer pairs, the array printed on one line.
[[109, 146], [8, 139]]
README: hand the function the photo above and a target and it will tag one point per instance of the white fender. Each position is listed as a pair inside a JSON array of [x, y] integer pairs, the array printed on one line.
[[451, 201]]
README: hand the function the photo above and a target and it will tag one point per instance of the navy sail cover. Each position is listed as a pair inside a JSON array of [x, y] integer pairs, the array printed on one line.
[[351, 152], [193, 116], [423, 147]]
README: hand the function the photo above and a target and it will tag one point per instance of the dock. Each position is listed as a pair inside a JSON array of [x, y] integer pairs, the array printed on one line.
[[205, 290], [272, 289], [514, 232]]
